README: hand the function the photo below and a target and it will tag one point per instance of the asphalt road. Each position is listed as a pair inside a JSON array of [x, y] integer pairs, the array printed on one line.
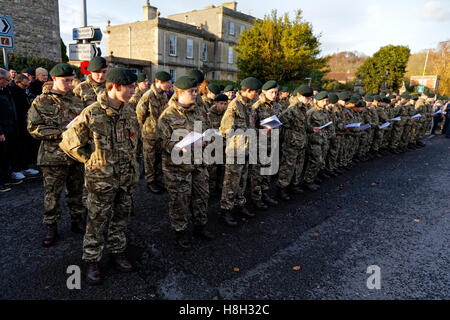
[[392, 212]]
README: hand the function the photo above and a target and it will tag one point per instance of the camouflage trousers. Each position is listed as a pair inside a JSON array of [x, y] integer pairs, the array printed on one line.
[[215, 172], [314, 163], [421, 129], [291, 166], [234, 184], [54, 179], [331, 161], [345, 152], [371, 137], [325, 149], [152, 160], [396, 135], [188, 191], [387, 133], [106, 202], [407, 134], [378, 139], [363, 143]]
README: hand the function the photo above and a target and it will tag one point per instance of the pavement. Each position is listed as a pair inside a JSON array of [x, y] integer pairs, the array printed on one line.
[[389, 214]]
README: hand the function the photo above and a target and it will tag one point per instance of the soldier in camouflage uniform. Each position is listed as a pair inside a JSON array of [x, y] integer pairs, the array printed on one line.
[[265, 107], [410, 125], [200, 77], [141, 88], [89, 89], [387, 135], [238, 116], [105, 138], [148, 110], [215, 114], [316, 117], [187, 184], [284, 96], [229, 91], [331, 158], [398, 126], [48, 117], [295, 142], [374, 121], [380, 109], [424, 107], [211, 92], [343, 132]]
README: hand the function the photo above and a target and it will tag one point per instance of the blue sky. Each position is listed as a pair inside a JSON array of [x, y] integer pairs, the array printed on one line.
[[344, 25]]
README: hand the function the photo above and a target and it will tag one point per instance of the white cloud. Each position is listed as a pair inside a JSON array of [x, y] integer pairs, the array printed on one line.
[[433, 10]]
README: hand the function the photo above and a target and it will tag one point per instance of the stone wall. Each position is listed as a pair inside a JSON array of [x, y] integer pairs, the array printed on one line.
[[36, 27]]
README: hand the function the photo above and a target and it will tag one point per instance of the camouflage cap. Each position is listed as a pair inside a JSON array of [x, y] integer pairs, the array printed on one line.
[[228, 88], [270, 85], [121, 76], [251, 83], [321, 95], [344, 96], [62, 70], [214, 88], [333, 98], [197, 75], [96, 64], [221, 97], [185, 82], [141, 77], [163, 76], [304, 90]]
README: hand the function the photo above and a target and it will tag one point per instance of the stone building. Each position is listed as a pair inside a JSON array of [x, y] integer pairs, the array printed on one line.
[[36, 27], [202, 39]]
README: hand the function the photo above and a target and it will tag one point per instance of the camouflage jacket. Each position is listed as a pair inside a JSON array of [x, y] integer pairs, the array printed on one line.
[[136, 97], [316, 117], [409, 112], [105, 139], [215, 117], [48, 117], [374, 119], [330, 131], [263, 108], [339, 122], [422, 108], [237, 116], [383, 115], [207, 102], [88, 91], [285, 103], [294, 124], [149, 108], [176, 117]]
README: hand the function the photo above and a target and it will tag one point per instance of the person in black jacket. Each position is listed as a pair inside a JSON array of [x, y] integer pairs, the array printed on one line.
[[8, 133], [35, 87]]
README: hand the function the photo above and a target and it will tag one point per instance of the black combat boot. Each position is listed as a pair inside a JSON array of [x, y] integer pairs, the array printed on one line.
[[267, 199], [312, 186], [243, 212], [154, 187], [204, 234], [420, 144], [121, 262], [323, 175], [260, 205], [283, 195], [317, 180], [296, 189], [77, 226], [227, 218], [52, 235], [93, 274], [184, 240]]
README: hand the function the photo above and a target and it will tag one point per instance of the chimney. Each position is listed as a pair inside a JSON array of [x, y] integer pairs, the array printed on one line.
[[149, 11], [230, 5]]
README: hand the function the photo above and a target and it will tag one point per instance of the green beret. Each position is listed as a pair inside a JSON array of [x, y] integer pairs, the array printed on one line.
[[197, 75], [354, 99], [377, 98], [405, 95], [221, 97], [30, 71], [415, 97], [62, 70], [284, 89], [304, 90], [344, 96], [360, 104], [229, 87], [141, 77], [270, 85], [369, 97], [121, 76], [321, 95], [96, 64], [430, 94], [392, 97], [333, 98], [357, 95], [214, 88], [251, 83], [185, 82], [386, 100], [163, 76]]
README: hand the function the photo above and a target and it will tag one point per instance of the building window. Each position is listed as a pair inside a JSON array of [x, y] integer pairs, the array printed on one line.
[[189, 48], [172, 45], [173, 74], [203, 51], [242, 29], [230, 77], [231, 27], [230, 55]]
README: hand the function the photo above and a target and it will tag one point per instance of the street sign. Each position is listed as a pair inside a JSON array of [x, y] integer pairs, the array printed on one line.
[[420, 88], [87, 33], [83, 51], [6, 33], [6, 42]]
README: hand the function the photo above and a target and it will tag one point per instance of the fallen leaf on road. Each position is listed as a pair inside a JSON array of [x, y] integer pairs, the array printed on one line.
[[416, 220], [315, 234], [296, 268], [243, 219], [236, 269], [373, 184], [46, 287], [366, 201], [402, 194]]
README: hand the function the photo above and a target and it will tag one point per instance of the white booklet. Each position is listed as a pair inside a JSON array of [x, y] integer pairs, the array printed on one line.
[[271, 122], [195, 137], [396, 119], [326, 125], [384, 125], [353, 125], [366, 126], [417, 116], [438, 112], [70, 123]]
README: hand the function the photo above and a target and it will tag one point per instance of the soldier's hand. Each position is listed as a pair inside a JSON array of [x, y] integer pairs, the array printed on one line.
[[316, 129]]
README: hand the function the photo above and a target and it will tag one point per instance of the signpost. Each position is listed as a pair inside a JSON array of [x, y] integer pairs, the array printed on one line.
[[6, 37], [420, 89], [83, 51]]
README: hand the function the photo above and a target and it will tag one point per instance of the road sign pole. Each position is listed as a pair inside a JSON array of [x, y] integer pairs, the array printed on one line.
[[5, 59]]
